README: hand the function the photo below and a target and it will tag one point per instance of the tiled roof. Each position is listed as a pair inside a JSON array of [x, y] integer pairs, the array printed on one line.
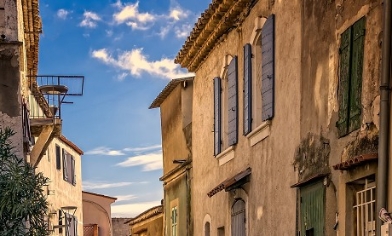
[[230, 182], [355, 161], [71, 144], [167, 90], [220, 17], [310, 179], [147, 214], [100, 195], [32, 29]]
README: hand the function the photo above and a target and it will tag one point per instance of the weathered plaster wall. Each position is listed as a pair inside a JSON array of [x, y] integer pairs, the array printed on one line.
[[320, 146], [59, 192], [174, 135], [268, 194], [177, 191]]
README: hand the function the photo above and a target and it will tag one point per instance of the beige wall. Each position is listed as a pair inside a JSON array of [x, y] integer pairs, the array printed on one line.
[[268, 194], [97, 210], [119, 228], [174, 126], [60, 192]]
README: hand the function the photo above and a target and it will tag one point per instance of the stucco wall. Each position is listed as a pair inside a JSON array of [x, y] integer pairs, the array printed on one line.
[[60, 192], [319, 101], [268, 194], [97, 210], [174, 139]]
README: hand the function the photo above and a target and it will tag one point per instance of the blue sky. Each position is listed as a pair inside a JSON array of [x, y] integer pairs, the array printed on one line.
[[126, 51]]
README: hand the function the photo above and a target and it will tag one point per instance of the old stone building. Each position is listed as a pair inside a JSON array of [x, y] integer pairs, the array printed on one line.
[[175, 103], [285, 117]]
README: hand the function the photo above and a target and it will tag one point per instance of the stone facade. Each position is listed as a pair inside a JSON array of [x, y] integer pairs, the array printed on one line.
[[120, 227], [276, 164]]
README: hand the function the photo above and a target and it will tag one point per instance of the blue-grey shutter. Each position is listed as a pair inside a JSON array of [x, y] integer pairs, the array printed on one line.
[[232, 95], [268, 67], [247, 89], [217, 116], [73, 173]]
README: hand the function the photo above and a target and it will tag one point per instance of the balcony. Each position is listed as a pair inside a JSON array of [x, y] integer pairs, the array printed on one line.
[[47, 95]]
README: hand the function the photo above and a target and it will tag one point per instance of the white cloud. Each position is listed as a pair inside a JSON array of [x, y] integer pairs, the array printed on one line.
[[132, 210], [164, 31], [62, 14], [102, 185], [104, 151], [137, 63], [130, 15], [90, 19], [183, 31], [152, 161], [140, 149], [178, 14], [125, 197]]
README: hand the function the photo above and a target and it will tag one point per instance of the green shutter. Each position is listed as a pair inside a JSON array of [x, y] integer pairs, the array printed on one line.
[[358, 36], [344, 81], [312, 208]]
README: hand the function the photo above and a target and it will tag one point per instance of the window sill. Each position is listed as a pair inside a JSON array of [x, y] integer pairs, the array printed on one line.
[[260, 133], [225, 156]]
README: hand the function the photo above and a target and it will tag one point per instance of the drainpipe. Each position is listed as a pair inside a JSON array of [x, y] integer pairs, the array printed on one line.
[[383, 148]]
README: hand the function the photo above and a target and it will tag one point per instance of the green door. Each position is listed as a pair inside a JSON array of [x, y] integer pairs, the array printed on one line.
[[312, 209]]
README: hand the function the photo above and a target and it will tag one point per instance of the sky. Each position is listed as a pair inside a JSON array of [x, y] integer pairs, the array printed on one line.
[[125, 50]]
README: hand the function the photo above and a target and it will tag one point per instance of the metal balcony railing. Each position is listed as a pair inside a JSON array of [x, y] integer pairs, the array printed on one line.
[[48, 93]]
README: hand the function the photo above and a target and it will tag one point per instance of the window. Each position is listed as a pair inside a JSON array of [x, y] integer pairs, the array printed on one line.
[[174, 218], [350, 77], [226, 119], [312, 209], [69, 172], [364, 208], [58, 157], [238, 219], [71, 225]]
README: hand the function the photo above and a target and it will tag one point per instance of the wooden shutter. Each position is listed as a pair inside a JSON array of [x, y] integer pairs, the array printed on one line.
[[344, 81], [65, 165], [358, 37], [217, 116], [312, 209], [58, 157], [232, 108], [69, 168], [73, 174], [268, 68], [247, 89]]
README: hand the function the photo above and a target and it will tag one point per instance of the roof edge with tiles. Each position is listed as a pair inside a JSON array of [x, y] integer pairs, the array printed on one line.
[[220, 17]]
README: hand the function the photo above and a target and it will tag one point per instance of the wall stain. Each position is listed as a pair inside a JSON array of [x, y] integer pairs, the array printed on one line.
[[312, 156]]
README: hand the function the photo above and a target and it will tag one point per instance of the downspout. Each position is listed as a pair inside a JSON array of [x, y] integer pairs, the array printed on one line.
[[383, 148]]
